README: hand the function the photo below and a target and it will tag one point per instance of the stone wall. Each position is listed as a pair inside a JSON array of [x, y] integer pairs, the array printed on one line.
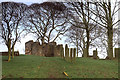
[[58, 50], [28, 47], [48, 50], [36, 49]]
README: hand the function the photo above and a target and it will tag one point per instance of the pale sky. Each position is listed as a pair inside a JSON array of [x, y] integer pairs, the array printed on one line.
[[21, 46]]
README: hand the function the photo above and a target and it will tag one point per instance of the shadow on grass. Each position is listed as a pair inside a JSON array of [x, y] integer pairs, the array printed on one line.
[[5, 60]]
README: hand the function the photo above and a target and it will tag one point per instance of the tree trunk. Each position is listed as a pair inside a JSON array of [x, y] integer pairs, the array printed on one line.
[[71, 53], [110, 43], [84, 52], [66, 52], [84, 49], [87, 46], [110, 33], [42, 40], [74, 54], [13, 52], [9, 49], [77, 48]]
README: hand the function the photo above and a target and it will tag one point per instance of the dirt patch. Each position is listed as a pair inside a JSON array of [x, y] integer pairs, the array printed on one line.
[[3, 76], [21, 77], [11, 76], [51, 76]]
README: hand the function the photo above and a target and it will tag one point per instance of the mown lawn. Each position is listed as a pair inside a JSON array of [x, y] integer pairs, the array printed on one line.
[[30, 66]]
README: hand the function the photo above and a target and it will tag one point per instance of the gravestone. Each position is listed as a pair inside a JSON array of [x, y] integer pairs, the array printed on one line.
[[117, 52], [66, 52], [74, 53], [62, 51], [71, 51], [95, 54]]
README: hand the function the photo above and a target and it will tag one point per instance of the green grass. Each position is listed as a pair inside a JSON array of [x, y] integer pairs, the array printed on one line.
[[53, 67]]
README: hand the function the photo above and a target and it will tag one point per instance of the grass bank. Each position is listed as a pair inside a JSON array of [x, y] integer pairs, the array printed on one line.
[[30, 66]]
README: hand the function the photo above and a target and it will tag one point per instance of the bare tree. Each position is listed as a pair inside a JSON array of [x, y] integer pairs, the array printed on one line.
[[76, 37], [0, 21], [101, 14], [47, 20], [0, 14], [81, 16], [12, 14], [106, 16]]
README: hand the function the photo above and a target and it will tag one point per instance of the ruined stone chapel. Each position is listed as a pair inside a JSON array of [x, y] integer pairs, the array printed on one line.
[[48, 50]]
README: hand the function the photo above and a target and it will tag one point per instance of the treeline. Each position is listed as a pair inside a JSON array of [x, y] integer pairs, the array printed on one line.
[[94, 25]]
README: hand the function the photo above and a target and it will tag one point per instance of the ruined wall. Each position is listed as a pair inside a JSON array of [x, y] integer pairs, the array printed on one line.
[[36, 49], [51, 50], [28, 46], [48, 50], [58, 50]]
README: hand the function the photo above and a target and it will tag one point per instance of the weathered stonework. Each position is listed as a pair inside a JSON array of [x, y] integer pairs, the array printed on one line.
[[48, 50], [36, 49], [28, 47]]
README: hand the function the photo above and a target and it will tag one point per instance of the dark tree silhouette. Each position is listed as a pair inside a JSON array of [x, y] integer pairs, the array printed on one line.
[[12, 14], [106, 16], [81, 19], [47, 20]]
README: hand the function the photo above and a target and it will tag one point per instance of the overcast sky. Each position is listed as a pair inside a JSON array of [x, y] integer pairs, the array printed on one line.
[[25, 1]]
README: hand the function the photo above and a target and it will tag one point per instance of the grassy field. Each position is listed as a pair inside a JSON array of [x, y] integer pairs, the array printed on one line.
[[53, 67]]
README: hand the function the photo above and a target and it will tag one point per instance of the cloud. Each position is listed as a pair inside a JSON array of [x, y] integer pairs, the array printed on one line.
[[24, 0], [28, 2]]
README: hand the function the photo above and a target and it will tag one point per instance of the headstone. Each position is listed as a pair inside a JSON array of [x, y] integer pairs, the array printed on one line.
[[71, 51], [74, 53], [95, 54], [62, 51], [117, 52], [66, 52]]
